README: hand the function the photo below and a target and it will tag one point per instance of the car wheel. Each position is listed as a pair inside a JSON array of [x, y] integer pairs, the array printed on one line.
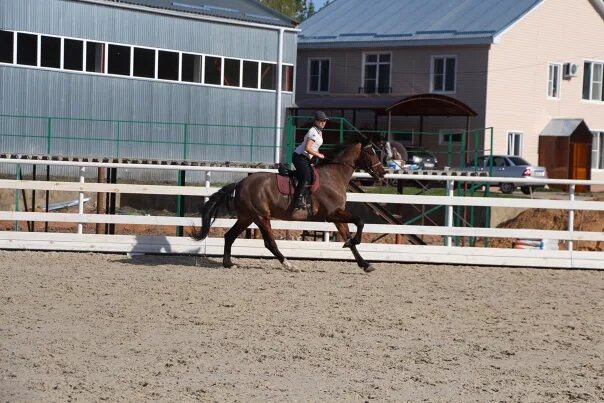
[[527, 190], [507, 188]]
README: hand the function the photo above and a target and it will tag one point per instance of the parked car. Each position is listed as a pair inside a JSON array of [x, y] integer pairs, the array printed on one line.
[[420, 158], [417, 158], [509, 166]]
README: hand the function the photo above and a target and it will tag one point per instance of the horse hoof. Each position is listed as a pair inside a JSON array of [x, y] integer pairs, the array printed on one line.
[[369, 269], [290, 266]]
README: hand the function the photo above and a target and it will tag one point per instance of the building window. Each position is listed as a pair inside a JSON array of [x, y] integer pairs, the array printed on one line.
[[288, 78], [167, 65], [376, 76], [443, 73], [70, 54], [250, 74], [73, 54], [118, 60], [597, 151], [232, 71], [515, 143], [7, 40], [593, 77], [450, 136], [268, 76], [553, 81], [27, 49], [144, 63], [95, 57], [192, 66], [50, 52], [318, 75], [213, 73]]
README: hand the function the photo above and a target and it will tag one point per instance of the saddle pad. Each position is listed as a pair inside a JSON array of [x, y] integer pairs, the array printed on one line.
[[286, 184]]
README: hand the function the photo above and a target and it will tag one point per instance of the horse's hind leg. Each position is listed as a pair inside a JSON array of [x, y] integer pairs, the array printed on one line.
[[264, 224], [230, 237]]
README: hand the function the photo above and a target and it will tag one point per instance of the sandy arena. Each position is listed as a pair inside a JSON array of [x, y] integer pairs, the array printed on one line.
[[91, 327]]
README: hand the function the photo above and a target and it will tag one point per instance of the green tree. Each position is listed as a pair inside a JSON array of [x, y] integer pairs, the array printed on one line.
[[296, 9]]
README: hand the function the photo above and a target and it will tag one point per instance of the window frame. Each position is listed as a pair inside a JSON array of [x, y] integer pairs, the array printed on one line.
[[515, 134], [318, 59], [433, 59], [550, 81], [591, 81], [104, 66], [443, 132], [377, 71], [599, 151]]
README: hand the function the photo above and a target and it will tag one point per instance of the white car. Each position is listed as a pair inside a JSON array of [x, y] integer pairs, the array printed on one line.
[[509, 166]]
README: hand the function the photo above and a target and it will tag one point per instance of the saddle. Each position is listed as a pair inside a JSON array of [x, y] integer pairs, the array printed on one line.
[[286, 180]]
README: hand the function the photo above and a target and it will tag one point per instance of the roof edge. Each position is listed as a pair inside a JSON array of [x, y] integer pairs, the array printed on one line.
[[182, 14], [511, 25], [599, 6], [395, 44]]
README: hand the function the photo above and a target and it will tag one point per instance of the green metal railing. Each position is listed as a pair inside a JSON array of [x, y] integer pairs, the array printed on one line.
[[455, 153], [123, 138]]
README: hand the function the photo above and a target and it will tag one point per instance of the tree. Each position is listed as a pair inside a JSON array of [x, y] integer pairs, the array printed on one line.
[[296, 9]]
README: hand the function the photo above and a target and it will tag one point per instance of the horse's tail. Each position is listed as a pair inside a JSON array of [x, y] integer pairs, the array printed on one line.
[[222, 198]]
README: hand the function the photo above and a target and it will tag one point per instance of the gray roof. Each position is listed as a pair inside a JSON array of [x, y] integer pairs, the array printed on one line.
[[243, 10], [561, 127], [410, 22]]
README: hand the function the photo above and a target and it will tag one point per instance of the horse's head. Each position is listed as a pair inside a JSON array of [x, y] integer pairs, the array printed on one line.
[[370, 161]]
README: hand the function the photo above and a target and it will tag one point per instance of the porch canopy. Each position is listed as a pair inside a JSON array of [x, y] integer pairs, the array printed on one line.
[[387, 105], [414, 105]]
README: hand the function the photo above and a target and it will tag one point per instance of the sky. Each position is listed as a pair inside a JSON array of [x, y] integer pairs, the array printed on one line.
[[318, 3]]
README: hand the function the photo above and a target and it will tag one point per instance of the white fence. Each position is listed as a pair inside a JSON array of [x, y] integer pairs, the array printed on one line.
[[447, 253]]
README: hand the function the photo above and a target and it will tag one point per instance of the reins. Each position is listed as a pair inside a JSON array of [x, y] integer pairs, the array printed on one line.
[[330, 161]]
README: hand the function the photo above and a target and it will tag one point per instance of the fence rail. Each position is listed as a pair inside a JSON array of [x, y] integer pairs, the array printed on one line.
[[447, 253]]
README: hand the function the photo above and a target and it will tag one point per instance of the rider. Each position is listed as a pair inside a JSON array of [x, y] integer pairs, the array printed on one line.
[[303, 154]]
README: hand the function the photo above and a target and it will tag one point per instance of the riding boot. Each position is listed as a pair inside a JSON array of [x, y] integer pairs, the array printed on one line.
[[299, 202]]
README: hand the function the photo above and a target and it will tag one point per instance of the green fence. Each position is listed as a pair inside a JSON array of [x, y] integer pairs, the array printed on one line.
[[135, 139]]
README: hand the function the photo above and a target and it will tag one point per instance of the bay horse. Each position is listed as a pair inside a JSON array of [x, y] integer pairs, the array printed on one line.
[[256, 199]]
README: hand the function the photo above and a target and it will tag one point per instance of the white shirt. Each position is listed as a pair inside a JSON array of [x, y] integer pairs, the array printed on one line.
[[313, 134]]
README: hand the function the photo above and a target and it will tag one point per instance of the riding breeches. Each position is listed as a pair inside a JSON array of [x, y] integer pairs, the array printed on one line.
[[303, 168]]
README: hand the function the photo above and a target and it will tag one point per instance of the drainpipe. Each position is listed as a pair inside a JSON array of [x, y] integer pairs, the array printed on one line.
[[278, 134]]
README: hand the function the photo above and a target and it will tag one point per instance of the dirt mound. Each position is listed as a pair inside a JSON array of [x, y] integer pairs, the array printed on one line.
[[556, 220]]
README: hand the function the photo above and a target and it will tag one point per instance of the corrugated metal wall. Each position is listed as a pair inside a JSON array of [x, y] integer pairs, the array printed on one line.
[[37, 92]]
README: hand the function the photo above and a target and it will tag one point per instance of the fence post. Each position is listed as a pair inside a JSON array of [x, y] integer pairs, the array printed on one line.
[[571, 217], [18, 176], [341, 130], [81, 199], [180, 202], [450, 194], [207, 184]]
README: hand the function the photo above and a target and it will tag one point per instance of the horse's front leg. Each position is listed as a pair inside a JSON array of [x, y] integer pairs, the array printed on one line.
[[343, 216], [341, 220]]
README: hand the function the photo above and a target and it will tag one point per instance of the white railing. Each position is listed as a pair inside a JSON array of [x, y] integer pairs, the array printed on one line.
[[447, 253]]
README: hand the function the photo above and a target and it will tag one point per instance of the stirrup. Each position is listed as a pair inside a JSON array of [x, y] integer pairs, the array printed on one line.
[[300, 204]]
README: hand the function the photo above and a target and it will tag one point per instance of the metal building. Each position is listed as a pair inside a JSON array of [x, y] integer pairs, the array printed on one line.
[[187, 79]]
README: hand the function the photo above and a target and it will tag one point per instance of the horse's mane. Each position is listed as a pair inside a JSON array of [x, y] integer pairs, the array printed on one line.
[[335, 152]]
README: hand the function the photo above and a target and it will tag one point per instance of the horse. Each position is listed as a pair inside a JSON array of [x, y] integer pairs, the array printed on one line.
[[256, 199]]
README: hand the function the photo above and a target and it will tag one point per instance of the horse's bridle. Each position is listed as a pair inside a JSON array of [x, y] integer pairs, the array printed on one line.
[[370, 169]]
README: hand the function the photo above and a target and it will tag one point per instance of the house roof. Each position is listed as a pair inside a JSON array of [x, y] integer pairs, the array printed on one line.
[[242, 10], [561, 127], [411, 22]]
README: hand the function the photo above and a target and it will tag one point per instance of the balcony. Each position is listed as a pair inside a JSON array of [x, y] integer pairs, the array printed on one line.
[[375, 90]]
